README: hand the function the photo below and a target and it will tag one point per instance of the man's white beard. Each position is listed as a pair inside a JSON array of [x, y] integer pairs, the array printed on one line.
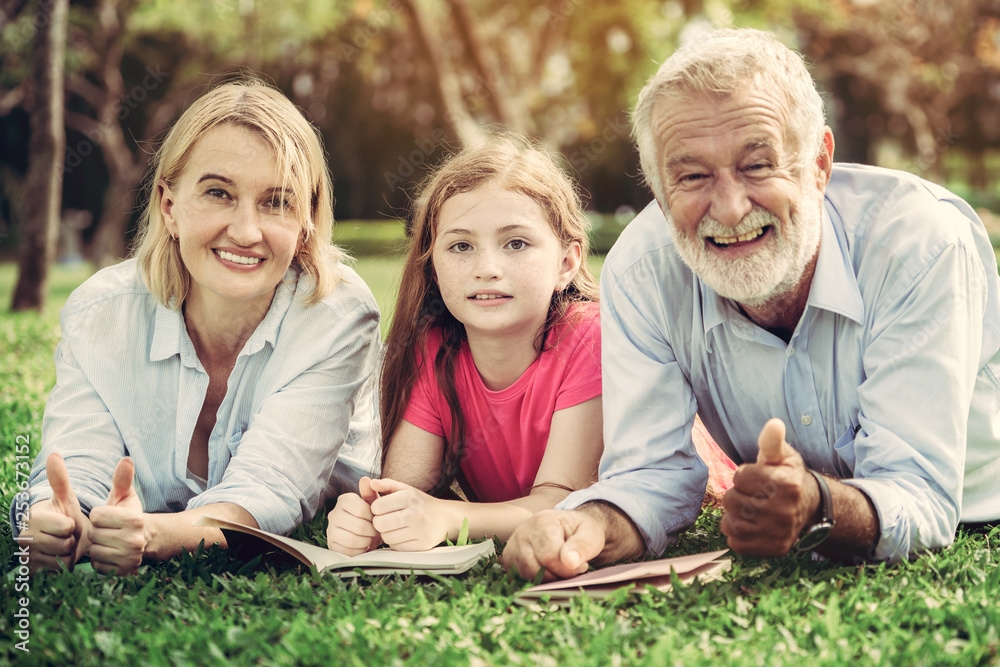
[[776, 268]]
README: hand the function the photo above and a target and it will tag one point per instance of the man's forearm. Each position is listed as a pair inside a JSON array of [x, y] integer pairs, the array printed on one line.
[[856, 532], [622, 540]]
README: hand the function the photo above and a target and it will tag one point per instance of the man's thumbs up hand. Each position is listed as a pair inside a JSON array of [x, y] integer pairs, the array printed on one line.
[[118, 537], [773, 448], [769, 503]]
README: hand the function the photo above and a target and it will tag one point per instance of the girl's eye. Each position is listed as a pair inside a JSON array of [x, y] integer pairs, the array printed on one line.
[[518, 244], [461, 246]]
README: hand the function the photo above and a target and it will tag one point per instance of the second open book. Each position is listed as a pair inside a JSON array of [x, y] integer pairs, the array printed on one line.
[[633, 576], [439, 560]]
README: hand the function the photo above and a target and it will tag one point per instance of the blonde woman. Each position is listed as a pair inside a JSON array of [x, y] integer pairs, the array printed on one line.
[[219, 369]]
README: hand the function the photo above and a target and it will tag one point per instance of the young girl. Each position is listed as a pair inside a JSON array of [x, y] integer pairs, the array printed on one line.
[[492, 372]]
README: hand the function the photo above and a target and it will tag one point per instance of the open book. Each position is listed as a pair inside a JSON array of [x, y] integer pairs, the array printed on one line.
[[633, 576], [439, 560]]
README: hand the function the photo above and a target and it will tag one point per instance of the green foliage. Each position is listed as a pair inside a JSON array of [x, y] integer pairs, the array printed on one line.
[[209, 607], [463, 535]]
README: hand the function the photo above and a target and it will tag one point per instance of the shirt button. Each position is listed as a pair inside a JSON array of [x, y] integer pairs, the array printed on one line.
[[806, 420], [791, 350]]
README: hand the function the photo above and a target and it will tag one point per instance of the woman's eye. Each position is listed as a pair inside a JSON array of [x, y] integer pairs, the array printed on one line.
[[518, 244], [461, 246], [280, 203], [217, 193]]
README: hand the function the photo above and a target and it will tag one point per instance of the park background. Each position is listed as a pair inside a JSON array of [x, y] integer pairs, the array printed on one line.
[[88, 88]]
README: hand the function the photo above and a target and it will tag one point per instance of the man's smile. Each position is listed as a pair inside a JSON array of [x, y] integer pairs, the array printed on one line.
[[726, 241]]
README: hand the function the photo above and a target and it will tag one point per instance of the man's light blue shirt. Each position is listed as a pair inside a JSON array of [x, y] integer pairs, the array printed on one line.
[[888, 382], [129, 382]]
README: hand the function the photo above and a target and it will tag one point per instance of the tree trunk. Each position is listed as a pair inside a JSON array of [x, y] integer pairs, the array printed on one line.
[[456, 116], [108, 245], [47, 146]]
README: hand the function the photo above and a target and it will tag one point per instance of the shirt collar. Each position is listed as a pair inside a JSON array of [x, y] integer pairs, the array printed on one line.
[[170, 335], [834, 284], [267, 330]]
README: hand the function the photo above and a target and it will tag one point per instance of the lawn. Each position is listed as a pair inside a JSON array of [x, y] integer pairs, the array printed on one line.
[[209, 608]]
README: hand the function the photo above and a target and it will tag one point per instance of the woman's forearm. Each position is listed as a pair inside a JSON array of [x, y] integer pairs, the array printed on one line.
[[166, 534]]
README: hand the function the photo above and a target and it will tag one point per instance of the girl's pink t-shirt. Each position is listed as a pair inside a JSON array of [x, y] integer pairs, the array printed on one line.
[[507, 430]]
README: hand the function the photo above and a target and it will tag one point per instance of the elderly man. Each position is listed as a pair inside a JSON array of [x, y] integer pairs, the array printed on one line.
[[856, 307]]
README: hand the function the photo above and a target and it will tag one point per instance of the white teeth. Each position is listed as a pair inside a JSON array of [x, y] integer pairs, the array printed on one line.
[[239, 259], [729, 240], [488, 296]]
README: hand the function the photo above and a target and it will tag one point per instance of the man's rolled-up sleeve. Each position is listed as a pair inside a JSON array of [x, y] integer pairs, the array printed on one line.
[[649, 469], [920, 369]]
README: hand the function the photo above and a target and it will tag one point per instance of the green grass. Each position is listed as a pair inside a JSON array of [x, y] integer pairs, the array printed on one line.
[[211, 608]]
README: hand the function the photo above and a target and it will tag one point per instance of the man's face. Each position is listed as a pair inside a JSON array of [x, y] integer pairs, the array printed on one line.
[[746, 219]]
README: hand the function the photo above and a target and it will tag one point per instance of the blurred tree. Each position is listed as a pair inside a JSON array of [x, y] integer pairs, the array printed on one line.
[[395, 84], [917, 73], [42, 210]]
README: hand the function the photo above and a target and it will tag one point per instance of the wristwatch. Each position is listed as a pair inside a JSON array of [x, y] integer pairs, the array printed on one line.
[[815, 534]]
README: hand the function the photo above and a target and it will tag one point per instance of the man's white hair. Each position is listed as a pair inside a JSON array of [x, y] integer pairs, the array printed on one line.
[[721, 64]]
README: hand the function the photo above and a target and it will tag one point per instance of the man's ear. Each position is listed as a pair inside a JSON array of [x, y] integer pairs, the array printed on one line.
[[167, 207], [824, 161]]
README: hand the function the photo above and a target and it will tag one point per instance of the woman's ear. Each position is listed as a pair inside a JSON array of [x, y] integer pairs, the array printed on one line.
[[167, 207], [572, 257]]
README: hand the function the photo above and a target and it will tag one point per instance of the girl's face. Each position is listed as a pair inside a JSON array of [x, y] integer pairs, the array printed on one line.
[[498, 262]]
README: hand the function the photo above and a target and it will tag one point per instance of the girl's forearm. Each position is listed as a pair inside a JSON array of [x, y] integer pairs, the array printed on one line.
[[499, 519]]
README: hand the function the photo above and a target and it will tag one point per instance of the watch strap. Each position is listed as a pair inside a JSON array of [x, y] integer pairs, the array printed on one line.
[[825, 499], [817, 533]]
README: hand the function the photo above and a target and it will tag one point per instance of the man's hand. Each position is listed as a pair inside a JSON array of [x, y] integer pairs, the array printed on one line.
[[349, 528], [772, 500], [58, 528], [409, 519], [118, 537], [561, 542]]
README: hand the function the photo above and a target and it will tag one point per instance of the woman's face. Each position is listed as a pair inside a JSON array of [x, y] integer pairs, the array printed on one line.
[[237, 224]]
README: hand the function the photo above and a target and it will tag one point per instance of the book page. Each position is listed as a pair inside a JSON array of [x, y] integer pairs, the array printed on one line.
[[444, 560], [632, 571], [704, 573]]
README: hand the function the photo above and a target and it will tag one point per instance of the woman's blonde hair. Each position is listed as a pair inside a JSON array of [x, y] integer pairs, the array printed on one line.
[[297, 147], [514, 164]]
